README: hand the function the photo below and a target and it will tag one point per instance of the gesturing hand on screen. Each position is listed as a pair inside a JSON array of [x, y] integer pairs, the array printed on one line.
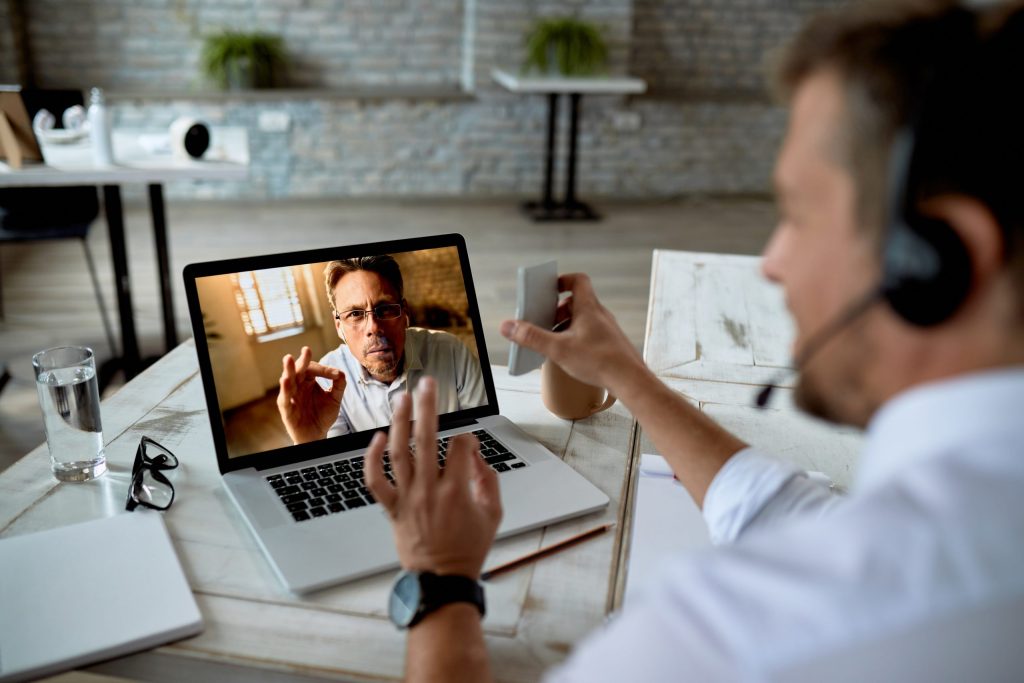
[[307, 409]]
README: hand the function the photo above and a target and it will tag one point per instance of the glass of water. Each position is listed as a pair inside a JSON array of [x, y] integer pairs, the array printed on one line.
[[69, 395]]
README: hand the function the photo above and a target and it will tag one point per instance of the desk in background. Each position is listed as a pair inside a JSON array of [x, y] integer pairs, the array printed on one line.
[[69, 165], [255, 631], [717, 332], [570, 208]]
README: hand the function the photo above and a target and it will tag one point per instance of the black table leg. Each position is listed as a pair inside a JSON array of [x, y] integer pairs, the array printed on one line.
[[546, 205], [549, 154], [573, 208], [156, 207], [570, 208], [130, 361]]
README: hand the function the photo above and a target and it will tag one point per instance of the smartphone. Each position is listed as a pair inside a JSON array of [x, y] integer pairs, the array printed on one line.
[[536, 302]]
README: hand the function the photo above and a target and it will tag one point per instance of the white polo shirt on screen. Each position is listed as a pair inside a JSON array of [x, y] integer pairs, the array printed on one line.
[[917, 575]]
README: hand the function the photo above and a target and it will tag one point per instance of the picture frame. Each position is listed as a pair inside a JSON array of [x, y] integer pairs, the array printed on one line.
[[18, 142]]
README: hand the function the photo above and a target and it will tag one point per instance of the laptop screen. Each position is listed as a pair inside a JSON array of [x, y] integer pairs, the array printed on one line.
[[299, 349]]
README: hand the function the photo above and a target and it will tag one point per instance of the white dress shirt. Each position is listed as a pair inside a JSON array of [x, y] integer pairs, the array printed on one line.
[[917, 575], [367, 402]]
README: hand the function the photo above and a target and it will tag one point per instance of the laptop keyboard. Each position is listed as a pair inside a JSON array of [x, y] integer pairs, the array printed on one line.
[[334, 487]]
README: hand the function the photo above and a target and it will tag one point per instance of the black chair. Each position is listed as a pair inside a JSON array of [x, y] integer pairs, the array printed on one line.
[[32, 214]]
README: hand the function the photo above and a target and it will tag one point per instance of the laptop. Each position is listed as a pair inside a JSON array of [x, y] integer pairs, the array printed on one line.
[[304, 499]]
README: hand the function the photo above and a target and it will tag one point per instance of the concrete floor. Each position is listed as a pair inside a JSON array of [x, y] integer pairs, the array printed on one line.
[[48, 299]]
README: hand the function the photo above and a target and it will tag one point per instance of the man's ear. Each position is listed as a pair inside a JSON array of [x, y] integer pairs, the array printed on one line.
[[979, 230]]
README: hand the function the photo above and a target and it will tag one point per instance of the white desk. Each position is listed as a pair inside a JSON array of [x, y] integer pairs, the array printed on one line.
[[570, 208], [69, 165], [717, 332], [255, 631]]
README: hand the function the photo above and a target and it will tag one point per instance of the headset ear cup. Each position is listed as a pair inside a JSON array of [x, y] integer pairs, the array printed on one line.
[[927, 271]]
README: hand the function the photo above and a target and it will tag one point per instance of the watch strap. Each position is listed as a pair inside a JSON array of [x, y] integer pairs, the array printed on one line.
[[440, 590]]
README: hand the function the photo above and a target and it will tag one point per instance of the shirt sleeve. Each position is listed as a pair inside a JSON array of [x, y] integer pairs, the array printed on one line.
[[341, 425], [471, 388], [754, 490]]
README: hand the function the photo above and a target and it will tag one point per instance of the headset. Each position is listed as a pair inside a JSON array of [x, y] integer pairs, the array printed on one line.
[[926, 268]]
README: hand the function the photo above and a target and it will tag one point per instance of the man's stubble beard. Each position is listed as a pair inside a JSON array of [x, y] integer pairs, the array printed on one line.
[[384, 371], [840, 396]]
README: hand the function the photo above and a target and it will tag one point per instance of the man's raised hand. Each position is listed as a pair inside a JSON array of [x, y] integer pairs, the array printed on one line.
[[307, 409], [593, 348], [444, 521]]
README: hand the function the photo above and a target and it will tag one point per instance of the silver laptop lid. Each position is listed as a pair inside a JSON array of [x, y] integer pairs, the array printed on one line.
[[380, 315]]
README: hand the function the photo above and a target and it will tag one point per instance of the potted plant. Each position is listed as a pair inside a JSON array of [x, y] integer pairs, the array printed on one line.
[[566, 46], [238, 61]]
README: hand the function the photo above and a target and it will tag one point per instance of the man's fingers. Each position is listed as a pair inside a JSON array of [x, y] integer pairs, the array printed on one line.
[[426, 434], [486, 490], [305, 356], [529, 335], [459, 468], [563, 313], [580, 286], [315, 369], [399, 441], [373, 473], [287, 381], [338, 387]]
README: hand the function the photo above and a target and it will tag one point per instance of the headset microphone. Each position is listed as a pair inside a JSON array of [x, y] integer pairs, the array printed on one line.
[[824, 335]]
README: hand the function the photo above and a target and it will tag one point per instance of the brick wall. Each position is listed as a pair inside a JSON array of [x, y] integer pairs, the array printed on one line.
[[435, 291], [710, 130], [156, 44], [710, 48], [8, 51]]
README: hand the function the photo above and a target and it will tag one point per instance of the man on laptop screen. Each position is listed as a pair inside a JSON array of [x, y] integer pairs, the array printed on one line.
[[399, 317], [353, 387]]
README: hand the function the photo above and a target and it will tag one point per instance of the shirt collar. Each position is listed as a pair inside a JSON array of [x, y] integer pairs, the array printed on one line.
[[938, 417]]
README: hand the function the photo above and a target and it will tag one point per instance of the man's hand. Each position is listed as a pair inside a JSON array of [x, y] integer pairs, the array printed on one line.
[[593, 348], [307, 409], [444, 520]]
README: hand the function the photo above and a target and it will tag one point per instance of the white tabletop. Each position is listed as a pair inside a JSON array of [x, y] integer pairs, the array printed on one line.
[[256, 631], [717, 332], [72, 164], [590, 85]]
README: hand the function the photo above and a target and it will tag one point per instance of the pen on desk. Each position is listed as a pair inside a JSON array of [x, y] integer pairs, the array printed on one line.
[[544, 552]]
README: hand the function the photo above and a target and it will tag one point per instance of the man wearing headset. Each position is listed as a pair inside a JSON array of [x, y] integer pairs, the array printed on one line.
[[354, 387], [900, 247]]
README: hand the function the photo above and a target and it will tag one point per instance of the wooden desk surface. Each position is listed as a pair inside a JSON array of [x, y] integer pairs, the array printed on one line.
[[717, 332], [254, 630]]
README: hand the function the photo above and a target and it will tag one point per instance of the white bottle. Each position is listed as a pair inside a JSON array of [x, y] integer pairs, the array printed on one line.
[[99, 129]]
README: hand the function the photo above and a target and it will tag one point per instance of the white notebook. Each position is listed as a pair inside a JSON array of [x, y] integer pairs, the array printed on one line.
[[91, 591], [666, 524]]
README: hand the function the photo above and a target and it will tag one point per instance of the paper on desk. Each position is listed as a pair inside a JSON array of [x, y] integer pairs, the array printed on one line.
[[666, 523]]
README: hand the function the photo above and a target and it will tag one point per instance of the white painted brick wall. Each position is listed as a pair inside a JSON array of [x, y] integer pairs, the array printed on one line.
[[721, 138]]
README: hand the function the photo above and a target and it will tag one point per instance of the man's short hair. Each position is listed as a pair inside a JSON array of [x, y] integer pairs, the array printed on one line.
[[954, 72], [384, 265]]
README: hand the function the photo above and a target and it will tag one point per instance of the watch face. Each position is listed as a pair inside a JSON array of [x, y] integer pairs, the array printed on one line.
[[405, 599]]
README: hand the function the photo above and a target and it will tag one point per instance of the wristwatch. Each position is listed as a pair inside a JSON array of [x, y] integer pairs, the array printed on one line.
[[416, 594]]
